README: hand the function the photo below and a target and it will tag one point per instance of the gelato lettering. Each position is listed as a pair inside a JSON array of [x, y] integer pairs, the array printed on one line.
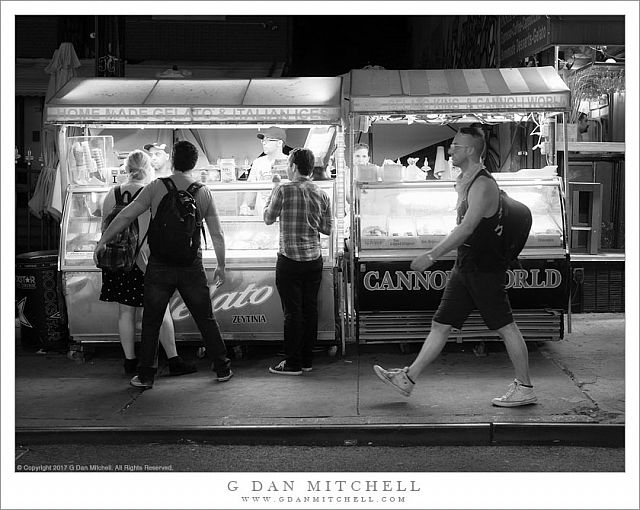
[[436, 280], [237, 300]]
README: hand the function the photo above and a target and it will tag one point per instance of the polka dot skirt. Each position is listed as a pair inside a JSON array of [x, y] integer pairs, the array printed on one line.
[[125, 288]]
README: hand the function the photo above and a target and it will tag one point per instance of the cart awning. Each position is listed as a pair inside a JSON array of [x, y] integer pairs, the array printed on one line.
[[261, 100], [457, 90]]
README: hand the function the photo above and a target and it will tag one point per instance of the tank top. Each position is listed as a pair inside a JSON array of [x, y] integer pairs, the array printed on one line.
[[482, 250]]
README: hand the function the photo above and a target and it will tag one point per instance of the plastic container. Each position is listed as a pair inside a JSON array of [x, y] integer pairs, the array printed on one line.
[[366, 173], [39, 301], [392, 173], [227, 170], [440, 166]]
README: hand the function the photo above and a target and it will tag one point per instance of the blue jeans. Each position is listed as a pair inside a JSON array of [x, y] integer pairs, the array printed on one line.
[[160, 282], [298, 284]]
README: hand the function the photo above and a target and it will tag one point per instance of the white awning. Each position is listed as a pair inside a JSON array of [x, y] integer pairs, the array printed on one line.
[[457, 90], [261, 100]]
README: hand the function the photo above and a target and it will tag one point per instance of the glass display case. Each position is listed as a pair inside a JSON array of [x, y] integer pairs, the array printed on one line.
[[247, 305], [417, 216], [81, 226], [248, 240]]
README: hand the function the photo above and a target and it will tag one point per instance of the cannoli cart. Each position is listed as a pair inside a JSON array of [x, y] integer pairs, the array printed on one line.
[[401, 207]]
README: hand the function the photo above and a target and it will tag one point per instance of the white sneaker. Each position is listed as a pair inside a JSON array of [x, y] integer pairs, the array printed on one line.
[[516, 395], [397, 378]]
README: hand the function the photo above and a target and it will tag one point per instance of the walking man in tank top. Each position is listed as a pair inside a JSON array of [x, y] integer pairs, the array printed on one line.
[[477, 279]]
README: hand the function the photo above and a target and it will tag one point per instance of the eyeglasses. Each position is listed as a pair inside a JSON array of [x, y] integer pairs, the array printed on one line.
[[264, 140], [457, 145]]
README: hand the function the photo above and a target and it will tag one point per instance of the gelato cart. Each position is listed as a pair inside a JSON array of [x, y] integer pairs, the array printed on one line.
[[402, 207], [101, 120]]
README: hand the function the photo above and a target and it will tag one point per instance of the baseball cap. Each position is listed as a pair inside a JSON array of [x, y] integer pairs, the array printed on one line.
[[273, 132], [161, 146]]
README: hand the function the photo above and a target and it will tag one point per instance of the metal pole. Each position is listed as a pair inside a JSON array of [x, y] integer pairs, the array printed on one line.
[[567, 209]]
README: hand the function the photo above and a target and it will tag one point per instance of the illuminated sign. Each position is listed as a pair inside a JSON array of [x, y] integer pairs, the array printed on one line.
[[191, 114], [528, 102]]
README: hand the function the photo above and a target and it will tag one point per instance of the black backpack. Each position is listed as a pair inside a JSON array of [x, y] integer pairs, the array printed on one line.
[[515, 222], [121, 253], [174, 232]]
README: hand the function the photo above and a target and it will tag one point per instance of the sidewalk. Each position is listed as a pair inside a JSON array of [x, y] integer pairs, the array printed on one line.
[[579, 382]]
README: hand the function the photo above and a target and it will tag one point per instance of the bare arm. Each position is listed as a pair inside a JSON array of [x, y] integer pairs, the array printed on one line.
[[217, 238], [482, 200]]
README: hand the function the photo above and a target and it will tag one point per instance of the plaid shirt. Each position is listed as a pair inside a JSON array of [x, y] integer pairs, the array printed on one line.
[[305, 212]]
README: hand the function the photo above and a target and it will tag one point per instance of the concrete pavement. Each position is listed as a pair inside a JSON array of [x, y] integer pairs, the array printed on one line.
[[579, 382]]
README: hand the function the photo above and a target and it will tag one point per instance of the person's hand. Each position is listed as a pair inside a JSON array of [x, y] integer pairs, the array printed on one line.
[[100, 247], [422, 262], [219, 275]]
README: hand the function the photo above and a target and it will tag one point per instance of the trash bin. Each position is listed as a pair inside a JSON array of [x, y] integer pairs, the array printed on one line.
[[39, 301]]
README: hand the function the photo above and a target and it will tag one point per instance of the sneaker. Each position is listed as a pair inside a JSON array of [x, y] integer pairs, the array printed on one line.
[[397, 378], [516, 395], [282, 369], [178, 366], [225, 376], [139, 383], [131, 366]]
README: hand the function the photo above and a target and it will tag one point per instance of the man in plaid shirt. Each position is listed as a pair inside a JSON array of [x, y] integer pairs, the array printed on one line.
[[305, 212]]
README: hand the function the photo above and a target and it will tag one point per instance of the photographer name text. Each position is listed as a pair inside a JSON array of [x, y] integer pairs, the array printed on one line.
[[324, 486]]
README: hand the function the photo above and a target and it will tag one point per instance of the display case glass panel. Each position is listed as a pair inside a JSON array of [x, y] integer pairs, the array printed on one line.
[[81, 228], [248, 240], [420, 215]]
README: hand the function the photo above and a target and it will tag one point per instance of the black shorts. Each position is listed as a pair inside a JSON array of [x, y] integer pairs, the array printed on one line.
[[466, 291]]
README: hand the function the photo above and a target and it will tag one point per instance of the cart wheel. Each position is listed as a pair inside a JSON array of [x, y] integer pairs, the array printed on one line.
[[201, 352], [332, 351], [238, 352]]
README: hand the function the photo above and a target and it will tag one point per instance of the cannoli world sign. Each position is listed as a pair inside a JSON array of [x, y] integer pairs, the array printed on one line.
[[526, 102], [190, 114]]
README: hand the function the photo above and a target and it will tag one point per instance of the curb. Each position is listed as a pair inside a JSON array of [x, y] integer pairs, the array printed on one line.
[[480, 434]]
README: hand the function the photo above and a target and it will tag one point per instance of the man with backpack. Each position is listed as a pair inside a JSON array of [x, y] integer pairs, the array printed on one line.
[[178, 206], [478, 277]]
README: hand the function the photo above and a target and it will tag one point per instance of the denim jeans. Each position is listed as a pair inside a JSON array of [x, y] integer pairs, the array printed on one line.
[[298, 284], [160, 282]]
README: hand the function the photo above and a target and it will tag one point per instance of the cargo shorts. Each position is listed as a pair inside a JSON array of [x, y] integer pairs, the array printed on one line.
[[466, 291]]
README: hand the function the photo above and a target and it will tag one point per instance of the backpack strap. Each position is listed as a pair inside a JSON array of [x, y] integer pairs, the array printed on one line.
[[483, 171], [135, 195], [168, 183], [192, 190], [118, 194]]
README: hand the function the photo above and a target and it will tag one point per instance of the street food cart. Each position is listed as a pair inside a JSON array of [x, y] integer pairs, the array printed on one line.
[[101, 120], [399, 212]]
